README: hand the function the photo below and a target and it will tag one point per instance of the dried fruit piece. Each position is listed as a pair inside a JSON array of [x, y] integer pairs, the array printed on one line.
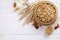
[[57, 26], [49, 30], [35, 24], [14, 5]]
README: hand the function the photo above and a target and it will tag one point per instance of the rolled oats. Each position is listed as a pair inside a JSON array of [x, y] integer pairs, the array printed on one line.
[[49, 30]]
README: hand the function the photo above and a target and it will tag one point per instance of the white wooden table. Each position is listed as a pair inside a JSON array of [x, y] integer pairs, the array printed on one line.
[[11, 29]]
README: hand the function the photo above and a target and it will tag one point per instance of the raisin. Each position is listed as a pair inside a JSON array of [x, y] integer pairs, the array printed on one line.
[[35, 25], [56, 26], [14, 5]]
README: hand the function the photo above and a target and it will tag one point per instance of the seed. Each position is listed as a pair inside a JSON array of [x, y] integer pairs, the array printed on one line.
[[56, 26], [16, 8], [35, 25]]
